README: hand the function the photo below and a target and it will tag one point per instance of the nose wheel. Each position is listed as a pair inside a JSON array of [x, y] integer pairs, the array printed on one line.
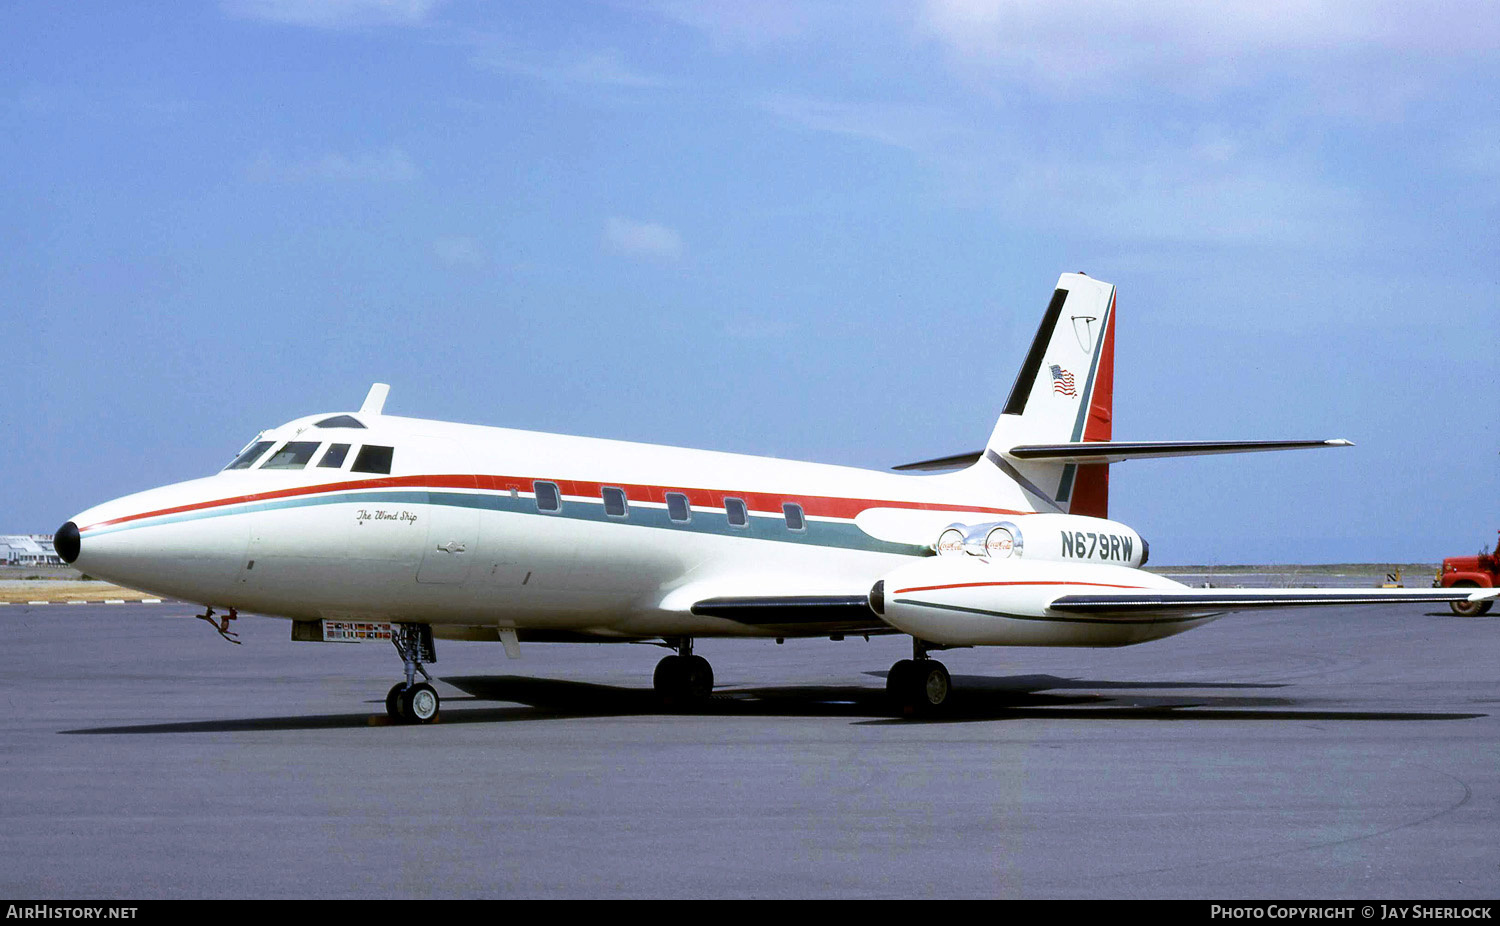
[[412, 701], [417, 704], [920, 686]]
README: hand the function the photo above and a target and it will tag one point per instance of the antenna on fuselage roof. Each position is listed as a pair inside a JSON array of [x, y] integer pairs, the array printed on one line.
[[375, 401]]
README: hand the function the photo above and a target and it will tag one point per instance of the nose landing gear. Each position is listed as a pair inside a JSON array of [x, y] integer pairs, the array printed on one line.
[[412, 701], [920, 685]]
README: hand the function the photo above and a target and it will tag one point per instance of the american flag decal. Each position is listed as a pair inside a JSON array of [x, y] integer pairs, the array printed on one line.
[[1062, 381]]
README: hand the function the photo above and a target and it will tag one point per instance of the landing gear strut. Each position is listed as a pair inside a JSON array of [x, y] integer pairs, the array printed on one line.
[[920, 685], [683, 680], [412, 701]]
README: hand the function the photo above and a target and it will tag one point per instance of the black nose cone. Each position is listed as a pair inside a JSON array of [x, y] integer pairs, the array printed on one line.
[[66, 542]]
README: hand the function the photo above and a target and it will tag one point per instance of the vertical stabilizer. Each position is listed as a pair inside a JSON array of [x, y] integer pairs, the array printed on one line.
[[1063, 393], [1091, 482], [374, 402]]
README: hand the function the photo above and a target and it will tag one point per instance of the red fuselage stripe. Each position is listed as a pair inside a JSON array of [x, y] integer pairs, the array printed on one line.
[[812, 505]]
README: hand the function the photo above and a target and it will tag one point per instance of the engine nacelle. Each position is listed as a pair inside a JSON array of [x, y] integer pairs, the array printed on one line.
[[1058, 538], [968, 601]]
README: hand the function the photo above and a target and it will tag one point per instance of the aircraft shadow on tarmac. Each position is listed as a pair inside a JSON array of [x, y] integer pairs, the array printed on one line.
[[975, 699]]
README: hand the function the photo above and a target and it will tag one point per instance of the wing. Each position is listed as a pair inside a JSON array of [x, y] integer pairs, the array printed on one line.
[[798, 615], [1220, 601]]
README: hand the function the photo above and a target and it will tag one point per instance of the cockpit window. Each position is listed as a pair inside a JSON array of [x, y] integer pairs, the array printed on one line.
[[373, 459], [334, 458], [250, 454], [339, 421], [292, 455]]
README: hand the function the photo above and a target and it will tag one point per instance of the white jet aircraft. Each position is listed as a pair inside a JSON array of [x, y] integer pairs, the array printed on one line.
[[365, 526]]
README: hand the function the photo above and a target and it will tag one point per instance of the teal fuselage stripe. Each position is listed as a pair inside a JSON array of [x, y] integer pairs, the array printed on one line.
[[842, 535], [1055, 620]]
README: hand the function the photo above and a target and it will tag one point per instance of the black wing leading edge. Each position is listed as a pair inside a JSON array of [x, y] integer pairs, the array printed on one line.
[[811, 615]]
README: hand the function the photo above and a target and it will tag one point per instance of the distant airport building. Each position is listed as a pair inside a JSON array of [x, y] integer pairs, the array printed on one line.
[[28, 550]]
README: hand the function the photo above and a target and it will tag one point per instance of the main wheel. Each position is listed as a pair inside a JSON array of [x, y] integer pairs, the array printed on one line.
[[683, 680], [1469, 608], [895, 680], [667, 679], [419, 703], [699, 680]]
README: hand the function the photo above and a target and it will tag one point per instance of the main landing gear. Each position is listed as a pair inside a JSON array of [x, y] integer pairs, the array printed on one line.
[[920, 685], [683, 680], [412, 701]]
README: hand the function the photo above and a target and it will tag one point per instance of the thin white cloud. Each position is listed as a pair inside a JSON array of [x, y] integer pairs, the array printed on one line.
[[1196, 48], [920, 129], [100, 103], [758, 328], [642, 239], [762, 23], [591, 68], [392, 165], [459, 252], [1474, 156], [1476, 151], [335, 14], [1212, 184]]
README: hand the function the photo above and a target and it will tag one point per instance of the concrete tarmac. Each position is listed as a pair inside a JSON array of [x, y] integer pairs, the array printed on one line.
[[1318, 753]]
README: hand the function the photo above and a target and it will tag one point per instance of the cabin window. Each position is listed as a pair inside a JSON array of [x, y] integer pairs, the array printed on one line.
[[335, 456], [547, 498], [339, 421], [677, 507], [250, 454], [738, 515], [794, 519], [614, 502], [373, 459], [292, 455]]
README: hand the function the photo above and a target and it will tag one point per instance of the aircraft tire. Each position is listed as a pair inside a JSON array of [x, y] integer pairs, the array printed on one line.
[[682, 681], [667, 678], [895, 680], [699, 678], [924, 688], [419, 703], [934, 686], [393, 701]]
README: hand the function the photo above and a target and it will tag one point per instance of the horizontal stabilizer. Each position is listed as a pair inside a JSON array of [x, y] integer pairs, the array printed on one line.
[[1250, 599], [1119, 451], [798, 614]]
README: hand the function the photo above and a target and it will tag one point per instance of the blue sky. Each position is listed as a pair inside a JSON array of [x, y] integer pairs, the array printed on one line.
[[823, 231]]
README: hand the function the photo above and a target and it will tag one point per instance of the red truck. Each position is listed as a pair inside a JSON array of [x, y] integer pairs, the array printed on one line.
[[1482, 571]]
